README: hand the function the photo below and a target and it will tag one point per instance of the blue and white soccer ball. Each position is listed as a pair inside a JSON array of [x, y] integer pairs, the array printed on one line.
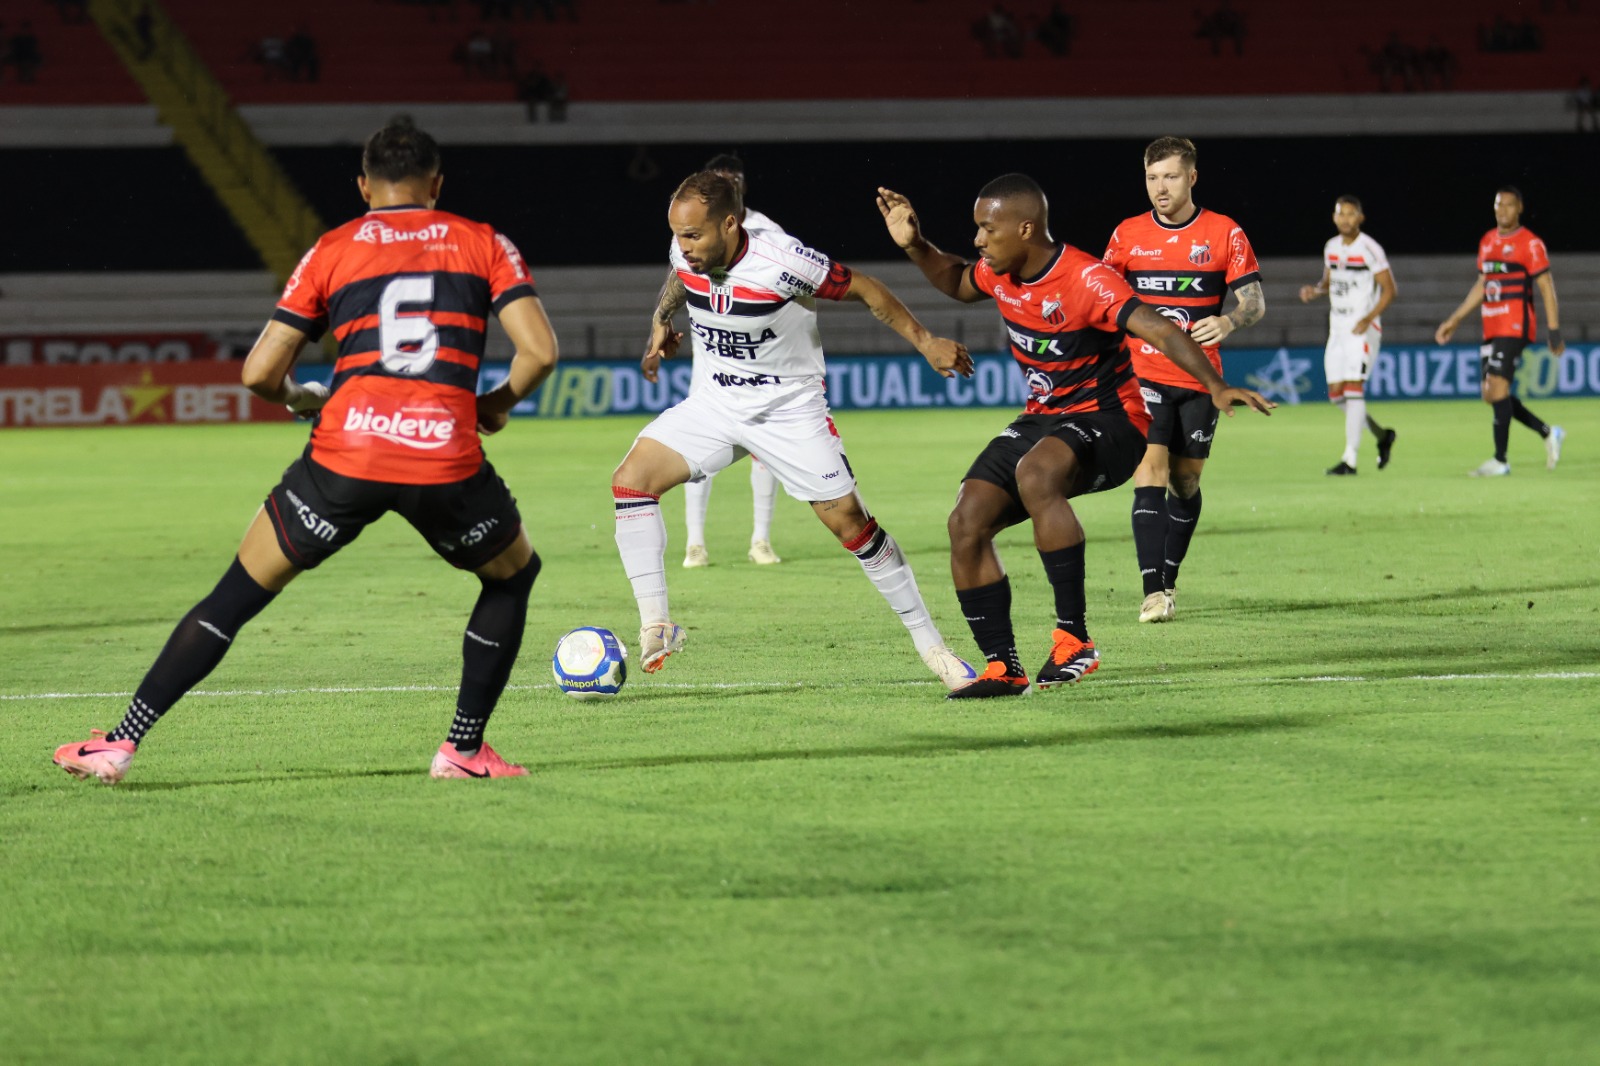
[[590, 663]]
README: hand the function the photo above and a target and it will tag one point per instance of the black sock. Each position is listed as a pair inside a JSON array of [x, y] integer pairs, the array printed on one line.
[[1150, 535], [489, 650], [195, 648], [1502, 427], [988, 613], [1064, 568], [1528, 418], [1377, 430], [1183, 516]]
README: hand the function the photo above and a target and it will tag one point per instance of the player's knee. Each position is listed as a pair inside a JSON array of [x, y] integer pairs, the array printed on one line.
[[968, 530], [1041, 483], [1184, 485]]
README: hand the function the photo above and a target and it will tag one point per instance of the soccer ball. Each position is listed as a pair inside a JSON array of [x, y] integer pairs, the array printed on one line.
[[590, 663]]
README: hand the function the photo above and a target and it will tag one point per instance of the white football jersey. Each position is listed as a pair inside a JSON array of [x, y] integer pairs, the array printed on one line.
[[762, 226], [756, 343], [1353, 271]]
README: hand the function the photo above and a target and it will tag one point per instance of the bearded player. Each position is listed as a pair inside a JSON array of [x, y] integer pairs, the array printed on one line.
[[758, 355]]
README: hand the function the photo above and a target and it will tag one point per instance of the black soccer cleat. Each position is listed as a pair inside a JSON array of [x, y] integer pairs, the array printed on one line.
[[1344, 469], [1385, 447], [995, 682], [1071, 660]]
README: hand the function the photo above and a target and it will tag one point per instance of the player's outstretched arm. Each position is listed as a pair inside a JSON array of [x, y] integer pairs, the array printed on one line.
[[529, 328], [1154, 328], [946, 272], [1552, 311], [266, 370], [1311, 292], [946, 356], [1251, 306], [1448, 327], [664, 340]]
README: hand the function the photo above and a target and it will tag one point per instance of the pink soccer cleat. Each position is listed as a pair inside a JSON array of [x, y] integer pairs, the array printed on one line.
[[485, 762], [106, 759]]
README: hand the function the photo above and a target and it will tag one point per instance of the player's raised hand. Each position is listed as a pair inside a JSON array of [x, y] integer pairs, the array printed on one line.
[[948, 357], [1228, 397], [900, 217], [1210, 331], [663, 344]]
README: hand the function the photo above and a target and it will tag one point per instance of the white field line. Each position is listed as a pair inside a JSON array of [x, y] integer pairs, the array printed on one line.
[[759, 686]]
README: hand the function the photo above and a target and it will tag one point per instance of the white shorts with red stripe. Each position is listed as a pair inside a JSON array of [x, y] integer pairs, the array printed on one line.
[[797, 441], [1349, 358]]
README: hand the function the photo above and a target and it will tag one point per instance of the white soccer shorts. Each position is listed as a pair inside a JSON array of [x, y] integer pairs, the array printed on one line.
[[797, 442], [1349, 357]]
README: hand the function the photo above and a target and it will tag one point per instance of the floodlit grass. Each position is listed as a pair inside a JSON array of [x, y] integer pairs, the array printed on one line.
[[1345, 810]]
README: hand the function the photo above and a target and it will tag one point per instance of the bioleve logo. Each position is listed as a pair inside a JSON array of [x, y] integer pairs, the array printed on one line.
[[401, 427]]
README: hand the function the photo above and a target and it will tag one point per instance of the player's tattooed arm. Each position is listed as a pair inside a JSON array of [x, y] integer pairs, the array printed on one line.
[[1448, 327], [664, 340], [946, 272], [1252, 304], [1156, 329], [946, 356]]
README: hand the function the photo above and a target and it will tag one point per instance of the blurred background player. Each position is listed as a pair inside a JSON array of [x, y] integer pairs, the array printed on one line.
[[1082, 431], [763, 486], [408, 291], [1182, 259], [752, 302], [1509, 257], [1359, 285]]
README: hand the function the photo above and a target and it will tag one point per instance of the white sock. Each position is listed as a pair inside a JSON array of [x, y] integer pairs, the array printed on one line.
[[764, 488], [1355, 420], [642, 542], [886, 566], [696, 497]]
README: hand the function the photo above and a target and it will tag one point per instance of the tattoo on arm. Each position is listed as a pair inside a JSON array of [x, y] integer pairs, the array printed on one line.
[[673, 297], [1252, 306]]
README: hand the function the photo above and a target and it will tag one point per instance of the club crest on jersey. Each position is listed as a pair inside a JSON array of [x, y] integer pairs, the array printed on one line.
[[721, 298], [1051, 311], [1039, 385], [1200, 254]]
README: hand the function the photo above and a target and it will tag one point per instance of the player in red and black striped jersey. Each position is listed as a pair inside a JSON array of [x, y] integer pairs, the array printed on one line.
[[1183, 259], [1509, 258], [1083, 429], [408, 291]]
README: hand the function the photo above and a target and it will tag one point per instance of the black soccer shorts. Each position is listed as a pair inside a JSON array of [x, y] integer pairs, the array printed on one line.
[[1501, 357], [1184, 421], [1108, 446], [315, 512]]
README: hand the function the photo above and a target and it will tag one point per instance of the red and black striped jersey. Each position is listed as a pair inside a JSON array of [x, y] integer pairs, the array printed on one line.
[[1185, 271], [1066, 328], [1509, 262], [408, 292]]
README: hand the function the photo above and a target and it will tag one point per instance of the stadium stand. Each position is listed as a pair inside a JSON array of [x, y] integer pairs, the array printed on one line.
[[77, 65]]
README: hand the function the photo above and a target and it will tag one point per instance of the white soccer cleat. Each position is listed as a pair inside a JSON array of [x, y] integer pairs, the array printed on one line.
[[695, 557], [1491, 468], [1157, 607], [761, 553], [949, 667], [657, 641], [1172, 604], [1552, 447]]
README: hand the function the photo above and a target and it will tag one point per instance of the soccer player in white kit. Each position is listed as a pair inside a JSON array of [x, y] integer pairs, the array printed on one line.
[[763, 486], [759, 361], [1359, 286]]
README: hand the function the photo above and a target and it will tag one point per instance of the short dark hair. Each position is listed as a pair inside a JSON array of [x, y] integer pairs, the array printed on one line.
[[1353, 201], [400, 151], [1514, 191], [726, 161], [1162, 147], [713, 190], [1011, 186]]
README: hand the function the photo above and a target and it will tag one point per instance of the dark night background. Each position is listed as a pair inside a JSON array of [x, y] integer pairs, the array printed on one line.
[[147, 209]]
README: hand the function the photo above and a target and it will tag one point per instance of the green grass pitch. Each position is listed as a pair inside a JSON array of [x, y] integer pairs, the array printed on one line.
[[1346, 809]]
